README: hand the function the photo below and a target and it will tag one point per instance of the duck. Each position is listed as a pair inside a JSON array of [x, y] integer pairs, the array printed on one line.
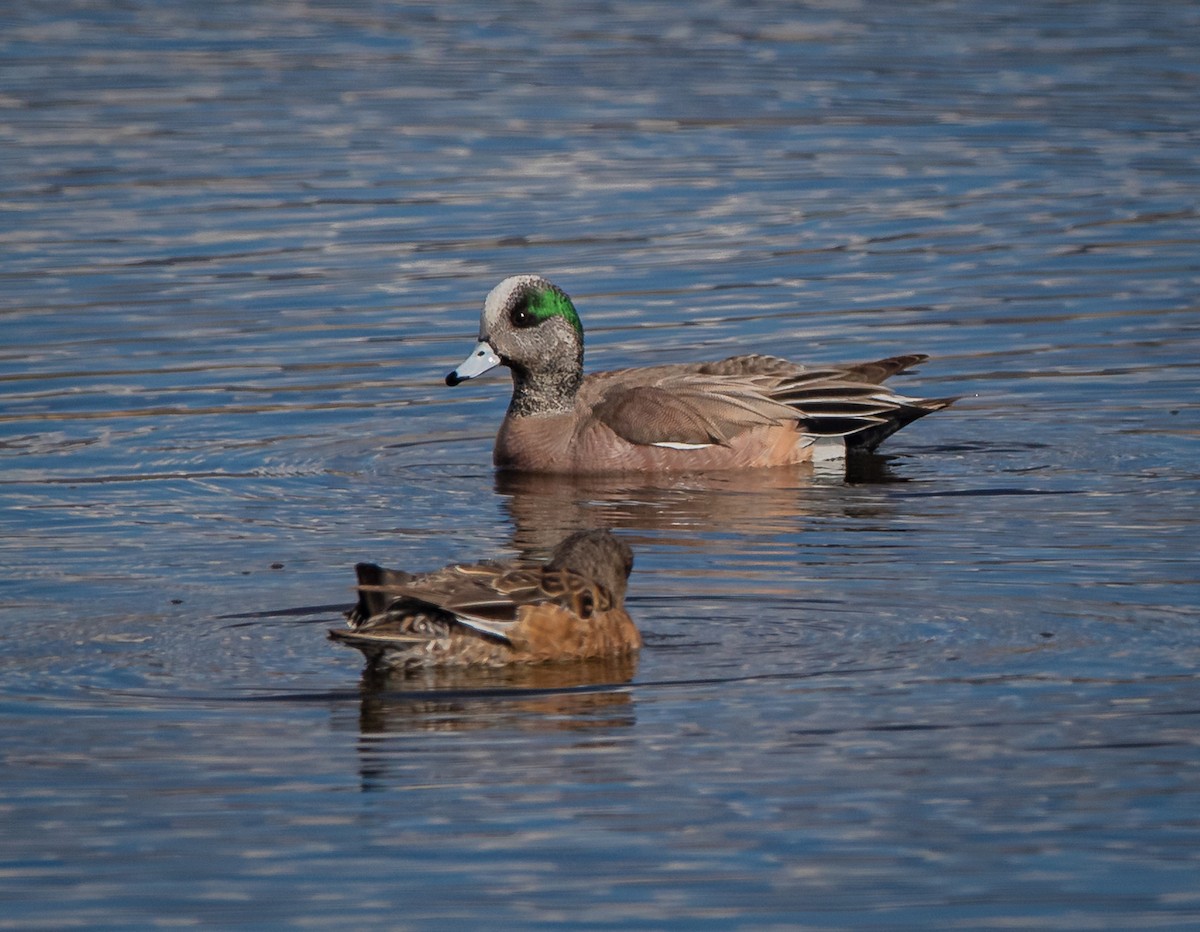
[[495, 613], [746, 411]]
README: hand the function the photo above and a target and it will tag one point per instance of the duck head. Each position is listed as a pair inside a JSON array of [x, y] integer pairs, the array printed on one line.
[[529, 325]]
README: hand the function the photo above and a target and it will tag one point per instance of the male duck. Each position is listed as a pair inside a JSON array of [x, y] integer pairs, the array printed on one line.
[[744, 411], [490, 614]]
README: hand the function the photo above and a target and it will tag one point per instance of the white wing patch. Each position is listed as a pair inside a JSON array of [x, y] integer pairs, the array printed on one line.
[[673, 445]]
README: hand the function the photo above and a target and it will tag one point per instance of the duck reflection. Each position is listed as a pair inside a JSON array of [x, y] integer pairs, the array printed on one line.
[[585, 698], [544, 508], [582, 695]]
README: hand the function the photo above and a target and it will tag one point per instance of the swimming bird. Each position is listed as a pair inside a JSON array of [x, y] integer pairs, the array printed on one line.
[[488, 614], [740, 412]]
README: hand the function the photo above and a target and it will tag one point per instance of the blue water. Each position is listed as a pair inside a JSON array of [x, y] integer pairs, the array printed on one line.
[[243, 242]]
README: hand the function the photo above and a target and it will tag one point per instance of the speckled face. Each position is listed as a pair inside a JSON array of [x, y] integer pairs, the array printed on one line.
[[528, 324]]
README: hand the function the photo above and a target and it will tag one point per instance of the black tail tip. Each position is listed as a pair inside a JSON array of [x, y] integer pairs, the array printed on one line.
[[369, 574]]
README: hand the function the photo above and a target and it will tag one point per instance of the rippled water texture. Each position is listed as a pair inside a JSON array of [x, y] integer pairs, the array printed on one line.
[[243, 242]]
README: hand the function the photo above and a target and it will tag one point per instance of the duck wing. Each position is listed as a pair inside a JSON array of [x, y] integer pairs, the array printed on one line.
[[688, 409], [695, 406]]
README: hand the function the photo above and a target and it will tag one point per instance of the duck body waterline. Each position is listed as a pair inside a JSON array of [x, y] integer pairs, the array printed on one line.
[[497, 613], [746, 411]]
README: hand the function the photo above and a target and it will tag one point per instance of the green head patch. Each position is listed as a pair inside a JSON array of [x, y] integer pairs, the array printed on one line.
[[538, 301]]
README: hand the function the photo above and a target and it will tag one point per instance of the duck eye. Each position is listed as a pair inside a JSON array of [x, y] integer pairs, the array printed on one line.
[[521, 316]]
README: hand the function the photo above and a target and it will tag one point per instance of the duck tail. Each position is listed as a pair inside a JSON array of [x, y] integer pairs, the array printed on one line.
[[373, 598], [866, 440]]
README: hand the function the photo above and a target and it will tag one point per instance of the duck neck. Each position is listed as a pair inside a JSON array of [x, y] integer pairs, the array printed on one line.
[[546, 391]]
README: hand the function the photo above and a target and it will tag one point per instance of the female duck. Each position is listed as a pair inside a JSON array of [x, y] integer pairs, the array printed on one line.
[[491, 614]]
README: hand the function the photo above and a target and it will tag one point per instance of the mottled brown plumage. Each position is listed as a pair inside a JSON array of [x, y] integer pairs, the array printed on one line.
[[744, 411], [570, 608]]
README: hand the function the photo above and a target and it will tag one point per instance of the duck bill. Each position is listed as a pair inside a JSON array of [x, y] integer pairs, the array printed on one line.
[[482, 359]]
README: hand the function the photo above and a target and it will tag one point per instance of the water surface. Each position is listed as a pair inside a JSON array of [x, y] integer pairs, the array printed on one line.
[[244, 242]]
